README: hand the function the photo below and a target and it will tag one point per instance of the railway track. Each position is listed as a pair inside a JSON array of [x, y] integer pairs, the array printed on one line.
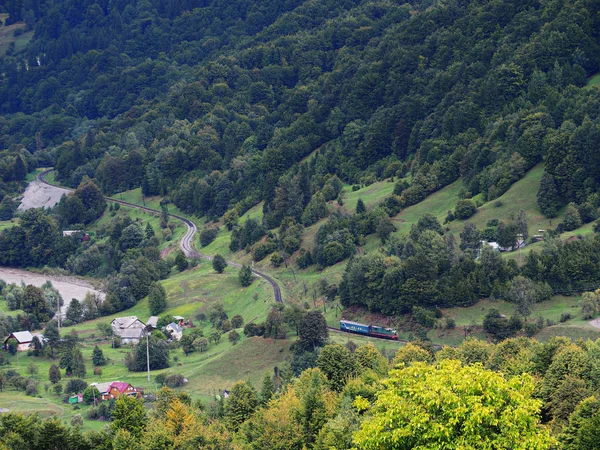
[[187, 241]]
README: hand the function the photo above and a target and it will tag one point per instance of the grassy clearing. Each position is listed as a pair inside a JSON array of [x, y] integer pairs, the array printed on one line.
[[437, 204], [221, 243], [371, 195], [196, 289], [4, 224], [520, 196], [7, 36], [594, 81]]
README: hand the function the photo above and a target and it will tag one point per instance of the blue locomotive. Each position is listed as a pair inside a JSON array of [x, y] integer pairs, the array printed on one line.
[[368, 330]]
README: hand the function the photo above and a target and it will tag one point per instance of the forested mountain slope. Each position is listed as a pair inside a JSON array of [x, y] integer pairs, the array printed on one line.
[[201, 97], [221, 105]]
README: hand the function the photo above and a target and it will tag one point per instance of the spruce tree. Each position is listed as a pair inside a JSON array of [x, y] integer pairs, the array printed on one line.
[[78, 363], [268, 389], [360, 207], [54, 374], [157, 298], [547, 196], [98, 358], [149, 231], [19, 170], [246, 276]]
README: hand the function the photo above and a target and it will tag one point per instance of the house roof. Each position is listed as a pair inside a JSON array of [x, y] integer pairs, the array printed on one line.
[[152, 321], [22, 337], [178, 318], [121, 386], [126, 322], [103, 388], [173, 326], [132, 333]]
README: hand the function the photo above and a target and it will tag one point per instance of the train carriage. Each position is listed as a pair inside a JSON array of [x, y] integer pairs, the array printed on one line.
[[368, 330]]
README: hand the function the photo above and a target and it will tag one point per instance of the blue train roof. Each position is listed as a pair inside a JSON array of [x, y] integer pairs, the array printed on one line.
[[364, 325], [353, 323]]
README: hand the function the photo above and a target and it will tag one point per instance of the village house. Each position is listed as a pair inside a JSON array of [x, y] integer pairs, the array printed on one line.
[[23, 339], [175, 330], [152, 323], [132, 335], [126, 323], [84, 236], [114, 389]]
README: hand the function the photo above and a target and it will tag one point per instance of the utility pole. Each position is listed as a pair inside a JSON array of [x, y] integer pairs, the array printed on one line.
[[58, 315], [147, 354], [519, 242]]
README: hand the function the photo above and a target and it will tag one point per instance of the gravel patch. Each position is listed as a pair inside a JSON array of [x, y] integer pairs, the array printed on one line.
[[40, 195], [69, 287], [595, 323]]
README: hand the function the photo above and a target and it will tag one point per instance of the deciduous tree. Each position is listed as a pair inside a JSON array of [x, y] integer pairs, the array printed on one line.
[[454, 407]]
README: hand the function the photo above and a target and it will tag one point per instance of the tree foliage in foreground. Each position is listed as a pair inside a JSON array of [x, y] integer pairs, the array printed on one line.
[[455, 407]]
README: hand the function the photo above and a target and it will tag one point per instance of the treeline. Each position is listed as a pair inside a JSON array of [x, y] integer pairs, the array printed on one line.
[[520, 393], [377, 88]]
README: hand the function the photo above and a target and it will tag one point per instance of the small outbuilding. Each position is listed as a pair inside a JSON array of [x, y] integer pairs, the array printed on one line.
[[23, 339], [152, 323], [175, 330]]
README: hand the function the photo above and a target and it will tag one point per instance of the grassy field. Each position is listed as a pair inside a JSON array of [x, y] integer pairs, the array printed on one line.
[[594, 81], [7, 36], [218, 368], [506, 207], [371, 195]]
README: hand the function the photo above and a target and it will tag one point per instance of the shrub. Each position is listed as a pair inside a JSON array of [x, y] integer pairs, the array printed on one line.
[[450, 323], [234, 337], [237, 321], [77, 420], [261, 250], [424, 317], [31, 388], [276, 259], [253, 329], [207, 235], [75, 386], [160, 378], [174, 380], [565, 316], [464, 209]]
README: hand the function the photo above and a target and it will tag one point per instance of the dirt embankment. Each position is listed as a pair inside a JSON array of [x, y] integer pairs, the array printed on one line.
[[40, 195]]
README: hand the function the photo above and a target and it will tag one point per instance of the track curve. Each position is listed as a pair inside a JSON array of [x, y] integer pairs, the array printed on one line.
[[187, 241]]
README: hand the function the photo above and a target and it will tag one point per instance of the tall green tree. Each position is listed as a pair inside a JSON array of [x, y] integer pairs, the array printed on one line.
[[98, 358], [547, 196], [157, 298], [129, 415], [245, 276], [312, 331], [240, 404]]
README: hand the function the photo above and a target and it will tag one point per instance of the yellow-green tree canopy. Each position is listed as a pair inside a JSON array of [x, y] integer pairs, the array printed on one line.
[[450, 406]]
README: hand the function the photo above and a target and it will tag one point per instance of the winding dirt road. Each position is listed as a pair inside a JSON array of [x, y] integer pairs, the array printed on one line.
[[187, 241]]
